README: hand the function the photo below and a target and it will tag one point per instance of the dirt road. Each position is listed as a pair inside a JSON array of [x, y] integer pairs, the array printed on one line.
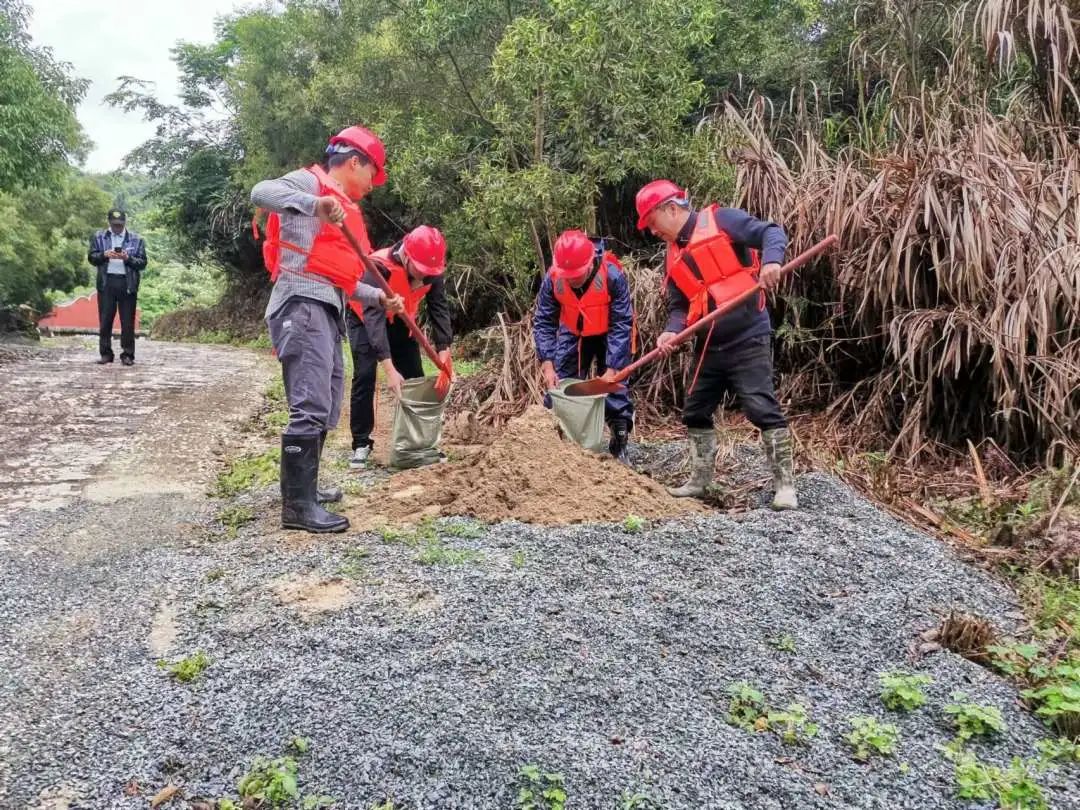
[[431, 665]]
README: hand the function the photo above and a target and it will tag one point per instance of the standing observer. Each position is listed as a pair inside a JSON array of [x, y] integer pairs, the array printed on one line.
[[315, 271], [120, 257]]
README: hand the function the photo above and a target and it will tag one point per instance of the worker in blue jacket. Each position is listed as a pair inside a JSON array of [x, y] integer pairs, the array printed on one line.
[[584, 316]]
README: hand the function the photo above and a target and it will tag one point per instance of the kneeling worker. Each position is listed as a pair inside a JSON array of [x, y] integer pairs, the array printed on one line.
[[583, 316], [710, 250], [414, 268]]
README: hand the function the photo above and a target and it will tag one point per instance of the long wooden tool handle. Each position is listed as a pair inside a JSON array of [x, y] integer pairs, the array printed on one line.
[[414, 328], [725, 308]]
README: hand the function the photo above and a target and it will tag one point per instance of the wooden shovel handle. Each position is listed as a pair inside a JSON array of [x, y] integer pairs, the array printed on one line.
[[414, 329], [725, 308]]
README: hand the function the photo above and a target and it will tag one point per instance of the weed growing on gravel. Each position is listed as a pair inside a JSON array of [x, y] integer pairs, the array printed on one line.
[[270, 782], [353, 486], [187, 669], [215, 574], [467, 531], [299, 745], [901, 691], [435, 552], [541, 790], [233, 517], [747, 708], [250, 472], [1058, 699], [637, 801], [784, 643], [973, 720], [518, 559], [353, 565], [868, 737], [1060, 750], [633, 524], [1014, 788], [793, 726], [1018, 660]]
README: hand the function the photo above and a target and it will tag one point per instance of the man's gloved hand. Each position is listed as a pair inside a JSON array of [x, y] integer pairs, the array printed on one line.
[[442, 384]]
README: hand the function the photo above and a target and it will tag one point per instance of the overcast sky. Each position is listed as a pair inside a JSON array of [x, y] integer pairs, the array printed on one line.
[[105, 40]]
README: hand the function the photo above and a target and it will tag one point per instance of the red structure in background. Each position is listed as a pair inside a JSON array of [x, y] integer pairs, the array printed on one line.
[[79, 315]]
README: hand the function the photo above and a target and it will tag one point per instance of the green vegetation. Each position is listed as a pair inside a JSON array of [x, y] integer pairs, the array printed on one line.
[[1058, 698], [353, 565], [792, 725], [633, 524], [188, 669], [869, 737], [974, 720], [233, 517], [427, 536], [784, 643], [540, 790], [901, 691], [248, 473], [1013, 788], [747, 708]]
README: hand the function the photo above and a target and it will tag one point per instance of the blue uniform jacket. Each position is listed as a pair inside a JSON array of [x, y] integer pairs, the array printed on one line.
[[555, 342]]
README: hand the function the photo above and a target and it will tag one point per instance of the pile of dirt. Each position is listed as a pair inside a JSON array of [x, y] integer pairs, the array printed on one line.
[[528, 473]]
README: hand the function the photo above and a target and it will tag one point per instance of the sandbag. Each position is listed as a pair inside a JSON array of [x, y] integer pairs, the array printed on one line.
[[580, 418], [416, 428]]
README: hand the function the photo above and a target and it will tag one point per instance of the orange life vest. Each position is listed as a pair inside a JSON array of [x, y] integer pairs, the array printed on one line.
[[709, 266], [588, 314], [331, 257], [399, 283]]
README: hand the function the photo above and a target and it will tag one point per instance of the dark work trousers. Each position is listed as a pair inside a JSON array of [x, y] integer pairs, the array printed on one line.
[[746, 370], [116, 297], [404, 353], [306, 335], [593, 350]]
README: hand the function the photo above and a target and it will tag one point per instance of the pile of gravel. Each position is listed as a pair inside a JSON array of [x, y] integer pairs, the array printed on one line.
[[601, 654]]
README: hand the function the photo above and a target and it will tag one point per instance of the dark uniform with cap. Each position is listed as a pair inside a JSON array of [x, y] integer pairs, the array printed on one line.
[[120, 257]]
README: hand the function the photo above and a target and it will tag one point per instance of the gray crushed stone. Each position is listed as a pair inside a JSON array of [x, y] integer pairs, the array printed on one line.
[[597, 653]]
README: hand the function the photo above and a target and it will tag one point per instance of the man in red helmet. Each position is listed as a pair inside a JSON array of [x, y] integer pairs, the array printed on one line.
[[712, 255], [414, 268], [315, 271], [584, 316]]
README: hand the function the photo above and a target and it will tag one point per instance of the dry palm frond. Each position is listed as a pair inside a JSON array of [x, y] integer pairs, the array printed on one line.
[[953, 308]]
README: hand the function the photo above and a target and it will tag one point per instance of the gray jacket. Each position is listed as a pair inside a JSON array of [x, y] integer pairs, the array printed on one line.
[[293, 198]]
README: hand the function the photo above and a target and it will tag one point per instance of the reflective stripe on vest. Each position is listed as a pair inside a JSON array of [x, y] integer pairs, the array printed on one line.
[[399, 282], [331, 259], [710, 267], [588, 314]]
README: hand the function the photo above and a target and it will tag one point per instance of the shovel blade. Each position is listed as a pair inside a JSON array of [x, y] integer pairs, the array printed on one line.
[[590, 388]]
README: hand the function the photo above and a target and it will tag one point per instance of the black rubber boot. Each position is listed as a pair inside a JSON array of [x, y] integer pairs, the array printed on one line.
[[326, 494], [620, 435], [299, 472]]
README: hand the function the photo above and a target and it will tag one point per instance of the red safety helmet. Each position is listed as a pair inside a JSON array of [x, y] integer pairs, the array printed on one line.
[[651, 195], [367, 142], [425, 247], [573, 254]]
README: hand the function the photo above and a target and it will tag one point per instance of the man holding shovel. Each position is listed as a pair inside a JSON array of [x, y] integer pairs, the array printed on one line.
[[584, 316], [708, 252], [414, 270], [315, 270]]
